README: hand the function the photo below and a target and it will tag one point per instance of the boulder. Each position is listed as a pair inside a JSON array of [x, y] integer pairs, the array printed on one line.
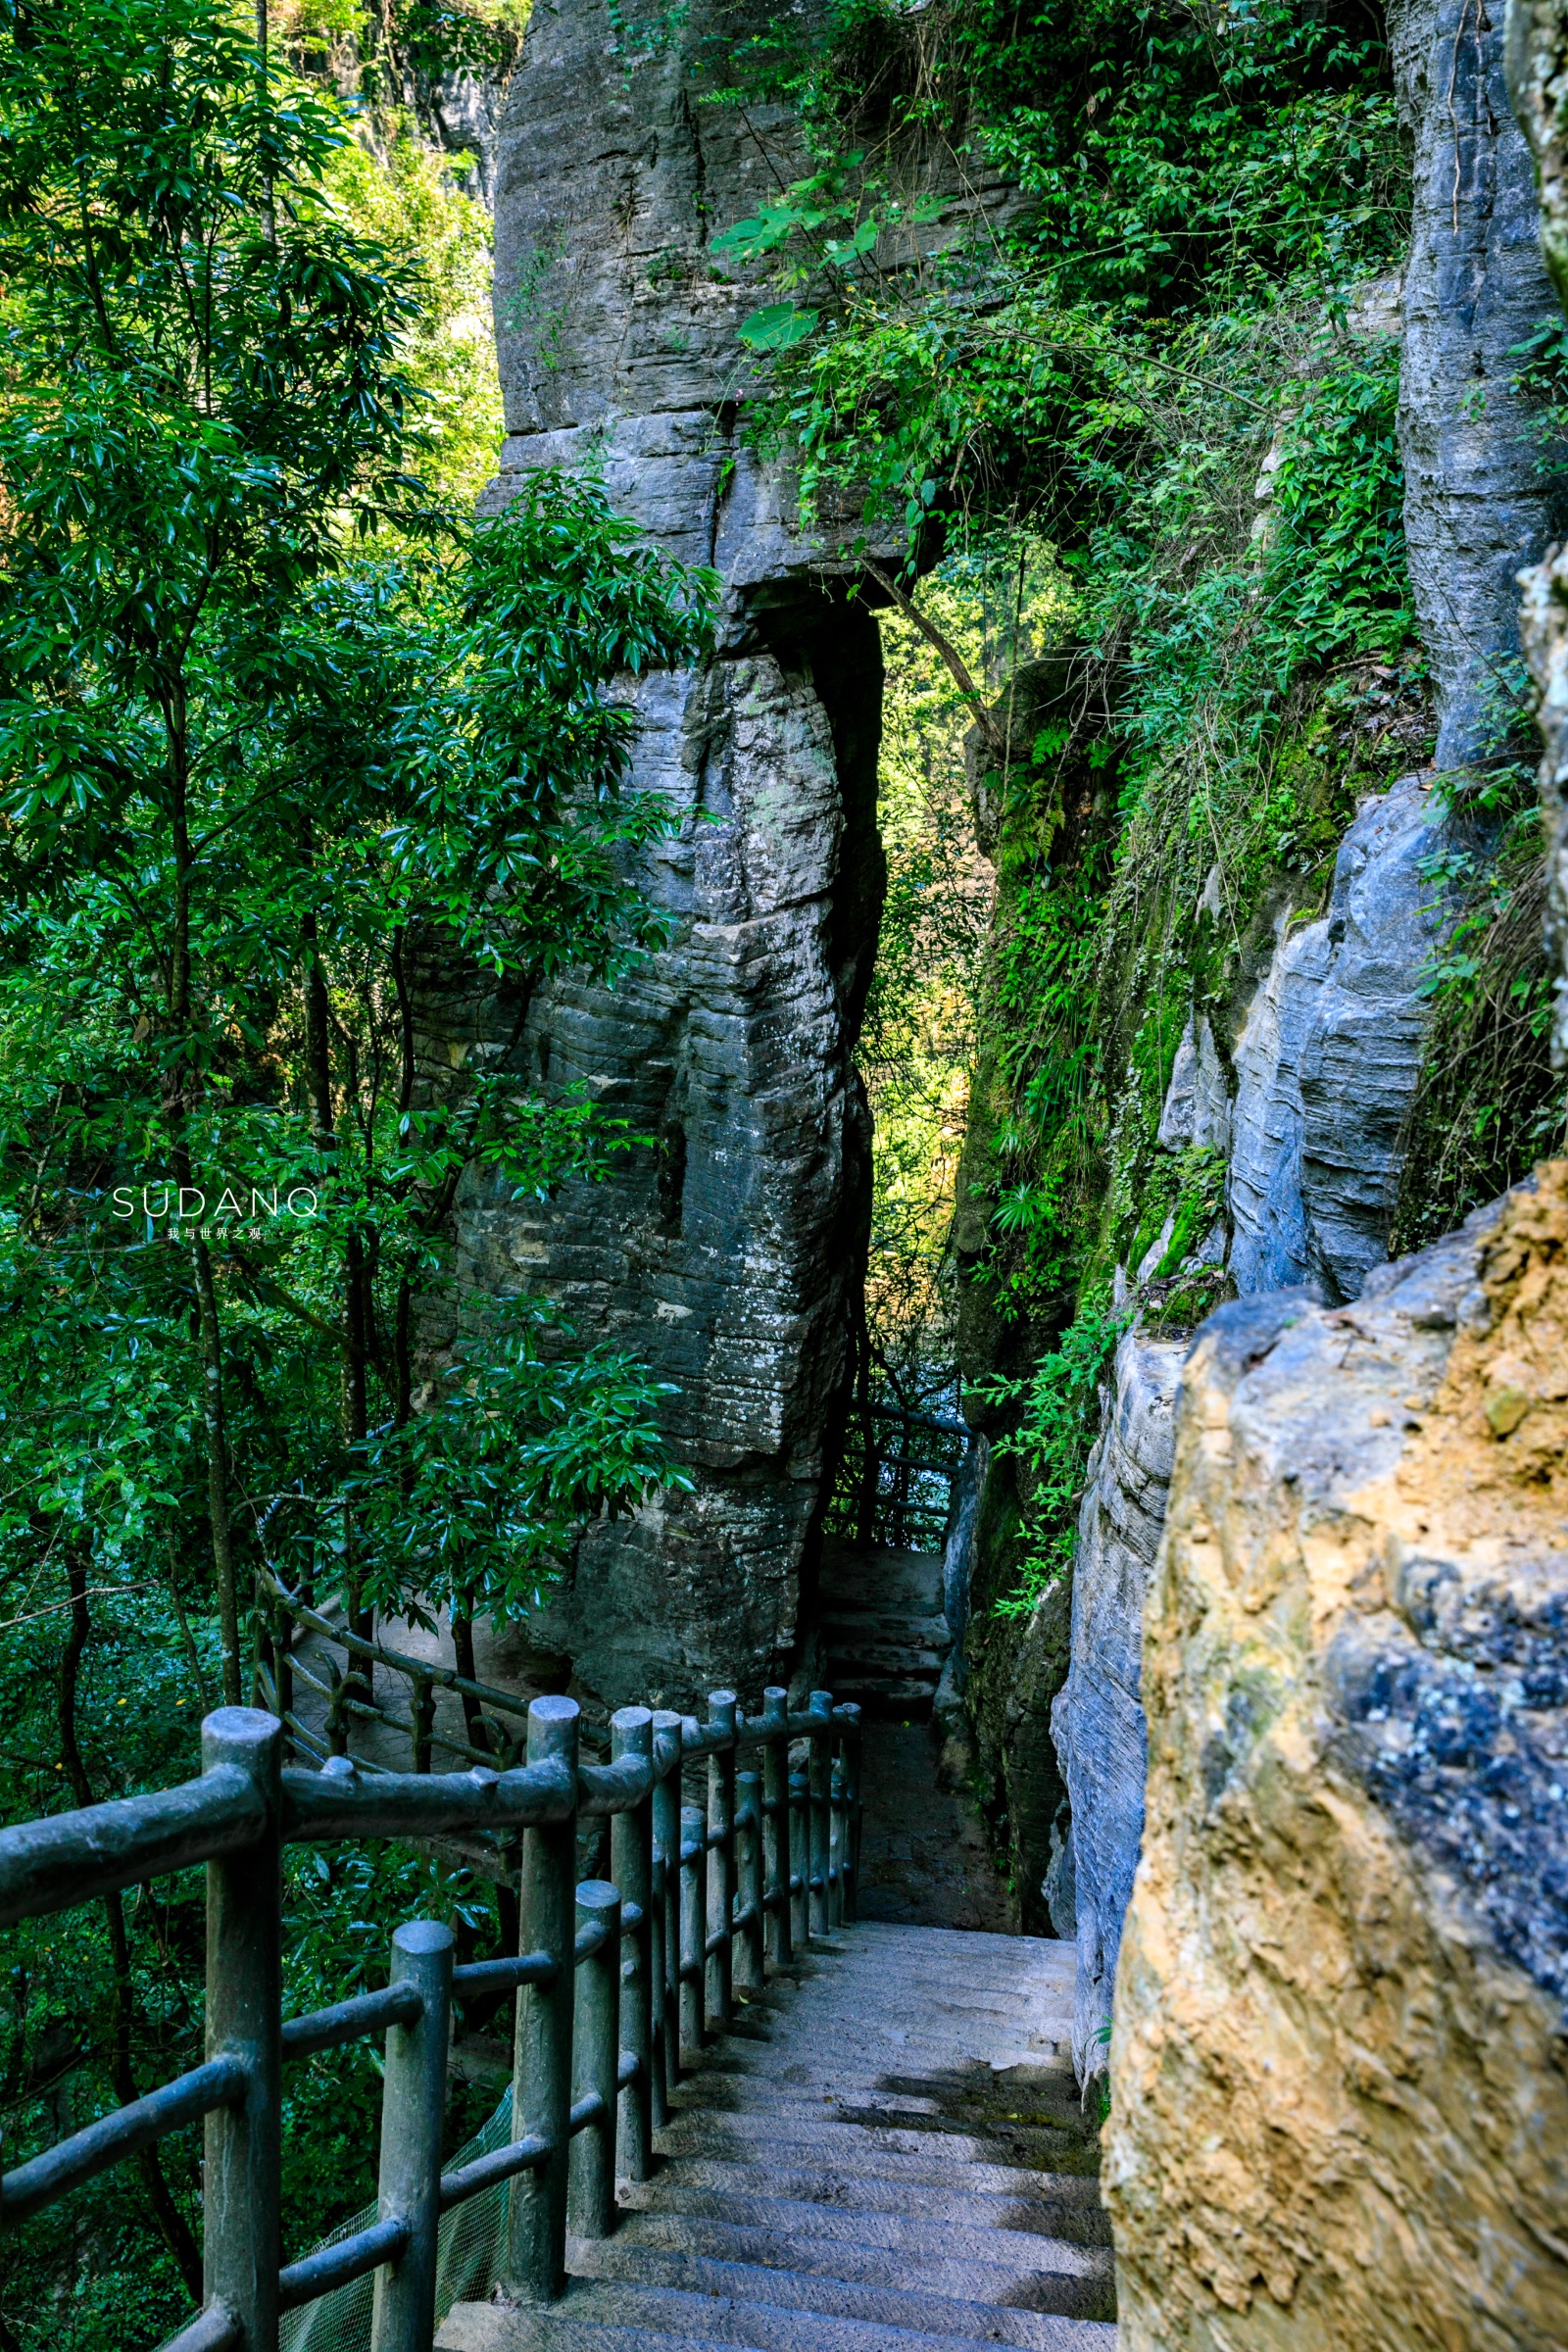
[[1340, 2095]]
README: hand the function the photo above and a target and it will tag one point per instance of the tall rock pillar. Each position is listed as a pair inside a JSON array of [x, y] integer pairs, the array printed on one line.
[[724, 1250]]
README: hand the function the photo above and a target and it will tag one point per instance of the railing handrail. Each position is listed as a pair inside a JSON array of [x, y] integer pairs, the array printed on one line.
[[424, 1670], [612, 1978]]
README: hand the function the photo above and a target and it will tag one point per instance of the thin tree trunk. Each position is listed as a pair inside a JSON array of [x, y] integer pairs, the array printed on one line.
[[171, 2225], [182, 1090], [462, 1650], [214, 1429]]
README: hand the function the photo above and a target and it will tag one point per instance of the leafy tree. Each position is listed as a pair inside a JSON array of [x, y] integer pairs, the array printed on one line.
[[285, 744]]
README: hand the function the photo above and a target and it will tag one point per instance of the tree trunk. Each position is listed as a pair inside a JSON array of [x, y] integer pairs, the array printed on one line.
[[216, 1442], [171, 2225]]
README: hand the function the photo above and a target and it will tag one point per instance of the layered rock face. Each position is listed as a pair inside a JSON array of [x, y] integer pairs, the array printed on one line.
[[1480, 499], [1538, 78], [1340, 2108], [727, 1251], [1098, 1719], [1327, 1061]]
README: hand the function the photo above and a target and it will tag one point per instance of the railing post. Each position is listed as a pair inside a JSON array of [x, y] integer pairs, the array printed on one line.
[[414, 2107], [750, 1965], [284, 1656], [595, 2057], [664, 1950], [799, 1853], [541, 2082], [340, 1692], [850, 1858], [242, 2252], [631, 1843], [423, 1722], [692, 1829], [821, 1706], [720, 1860], [777, 1939], [835, 1845]]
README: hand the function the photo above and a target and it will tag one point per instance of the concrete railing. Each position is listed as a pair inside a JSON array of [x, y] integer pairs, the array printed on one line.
[[614, 1978]]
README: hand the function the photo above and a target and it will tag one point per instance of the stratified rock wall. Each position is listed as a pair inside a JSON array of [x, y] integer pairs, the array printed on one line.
[[1326, 1064], [1479, 502], [1098, 1719], [726, 1251], [1537, 80]]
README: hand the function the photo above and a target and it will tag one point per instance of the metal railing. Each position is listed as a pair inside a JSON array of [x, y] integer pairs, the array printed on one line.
[[614, 1979], [894, 1486]]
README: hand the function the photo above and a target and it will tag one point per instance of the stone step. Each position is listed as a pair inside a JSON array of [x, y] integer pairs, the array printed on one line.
[[982, 2228], [681, 2313], [876, 2065], [1030, 2274], [760, 2103], [843, 1628], [752, 2284], [899, 1692], [849, 2149], [491, 2328], [1046, 2206], [875, 1661]]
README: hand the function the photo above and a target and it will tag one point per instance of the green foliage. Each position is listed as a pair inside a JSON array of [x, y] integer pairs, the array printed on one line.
[[1058, 1419], [1488, 1104], [1157, 362], [283, 740]]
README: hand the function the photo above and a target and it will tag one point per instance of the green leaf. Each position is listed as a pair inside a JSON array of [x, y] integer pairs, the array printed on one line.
[[777, 327]]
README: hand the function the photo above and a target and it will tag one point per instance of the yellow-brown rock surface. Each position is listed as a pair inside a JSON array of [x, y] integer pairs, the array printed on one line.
[[1340, 2116]]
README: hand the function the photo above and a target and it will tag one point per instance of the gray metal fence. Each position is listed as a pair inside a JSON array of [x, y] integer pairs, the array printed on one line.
[[615, 1978]]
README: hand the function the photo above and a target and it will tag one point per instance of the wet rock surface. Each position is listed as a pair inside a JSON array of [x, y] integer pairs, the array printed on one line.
[[1338, 2107]]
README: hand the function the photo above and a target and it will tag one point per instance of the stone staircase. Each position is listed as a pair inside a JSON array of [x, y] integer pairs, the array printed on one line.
[[885, 2155], [884, 1637]]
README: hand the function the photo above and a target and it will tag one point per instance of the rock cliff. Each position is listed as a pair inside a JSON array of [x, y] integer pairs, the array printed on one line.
[[1098, 1719], [1326, 1064], [727, 1249], [1340, 2106], [1480, 499], [1308, 1093], [1537, 73]]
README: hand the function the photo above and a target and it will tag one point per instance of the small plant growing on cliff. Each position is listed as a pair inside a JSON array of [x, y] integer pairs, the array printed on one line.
[[1057, 1424]]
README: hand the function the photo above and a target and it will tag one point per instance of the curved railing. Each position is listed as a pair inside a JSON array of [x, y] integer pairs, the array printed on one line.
[[615, 1978], [348, 1702]]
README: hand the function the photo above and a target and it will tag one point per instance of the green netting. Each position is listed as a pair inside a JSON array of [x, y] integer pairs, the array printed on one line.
[[471, 2240]]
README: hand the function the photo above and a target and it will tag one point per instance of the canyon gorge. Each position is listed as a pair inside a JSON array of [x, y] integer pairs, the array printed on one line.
[[1284, 1754]]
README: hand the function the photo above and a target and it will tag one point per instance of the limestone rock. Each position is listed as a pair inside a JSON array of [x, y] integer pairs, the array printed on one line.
[[1327, 1061], [1098, 1719], [724, 1247], [1197, 1106], [1339, 2098], [1543, 625], [1479, 499]]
